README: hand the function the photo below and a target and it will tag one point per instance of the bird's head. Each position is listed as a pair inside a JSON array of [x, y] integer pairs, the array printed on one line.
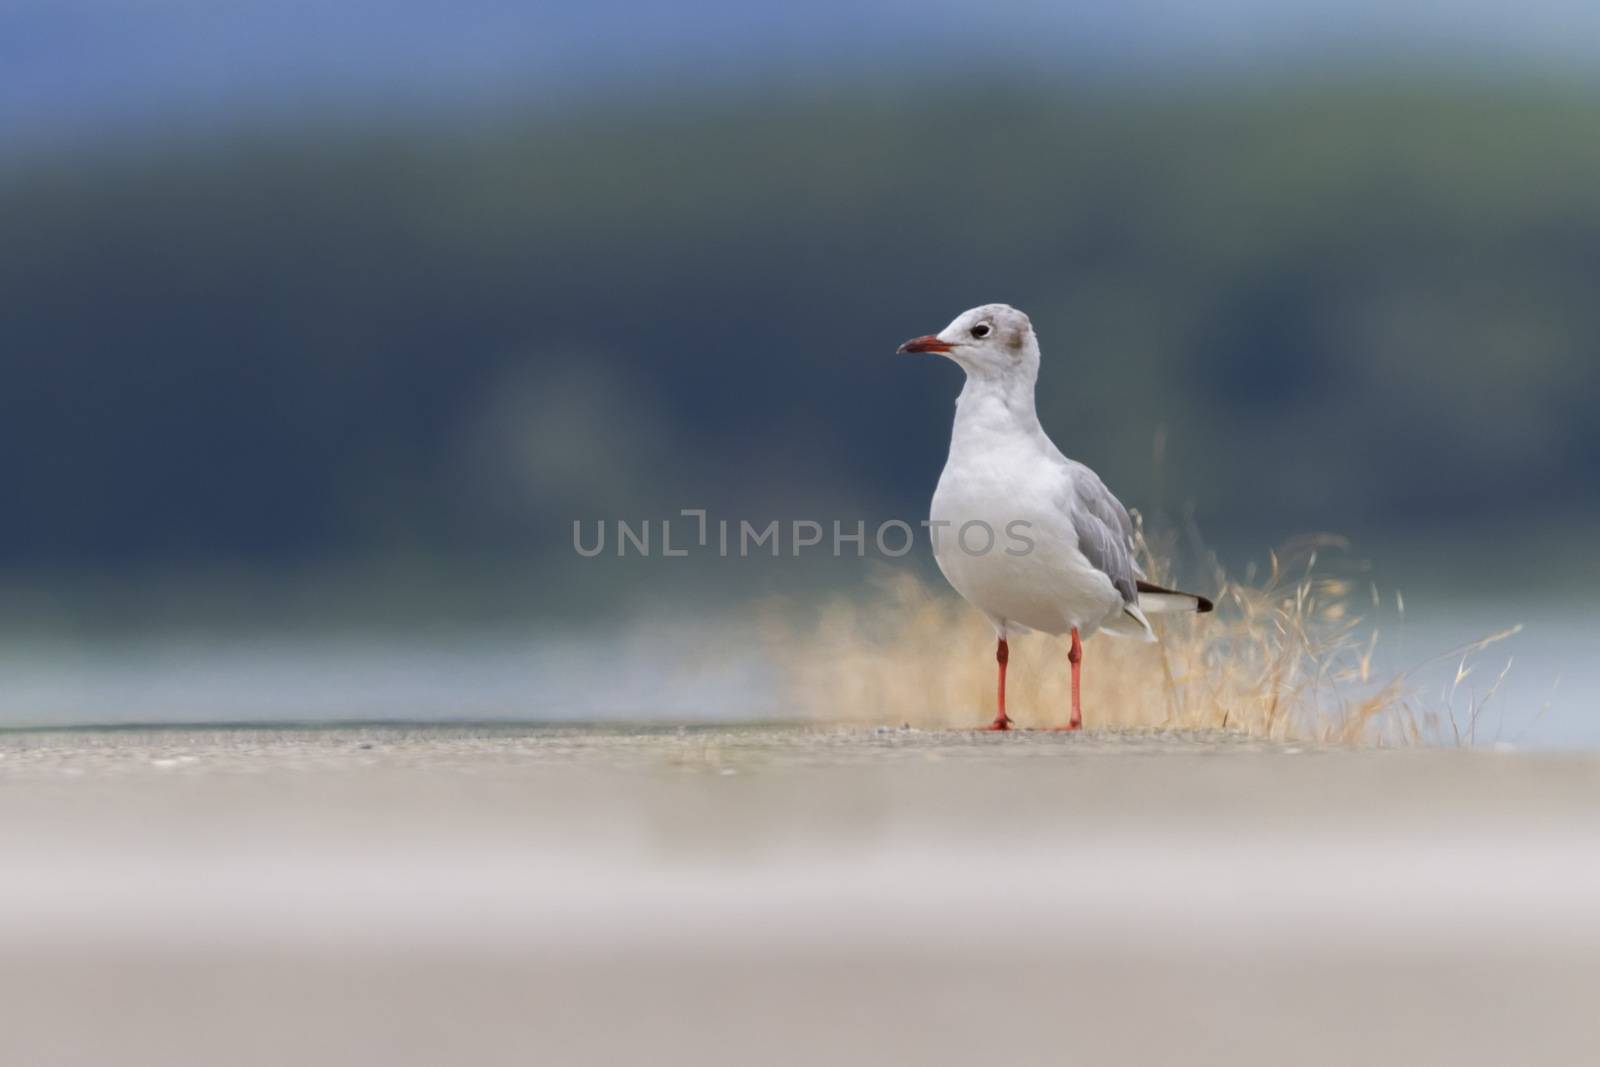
[[992, 340]]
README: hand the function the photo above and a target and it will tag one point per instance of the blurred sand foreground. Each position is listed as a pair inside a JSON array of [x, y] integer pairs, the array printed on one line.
[[789, 895]]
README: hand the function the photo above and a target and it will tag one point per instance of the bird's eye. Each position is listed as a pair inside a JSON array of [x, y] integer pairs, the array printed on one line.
[[981, 330]]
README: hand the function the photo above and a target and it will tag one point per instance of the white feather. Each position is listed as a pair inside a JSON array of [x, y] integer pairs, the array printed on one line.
[[1169, 603], [1131, 623]]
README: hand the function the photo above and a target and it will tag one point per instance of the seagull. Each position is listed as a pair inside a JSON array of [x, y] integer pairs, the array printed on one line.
[[1029, 537]]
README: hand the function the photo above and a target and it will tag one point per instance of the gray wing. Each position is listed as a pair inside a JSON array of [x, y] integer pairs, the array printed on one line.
[[1105, 530]]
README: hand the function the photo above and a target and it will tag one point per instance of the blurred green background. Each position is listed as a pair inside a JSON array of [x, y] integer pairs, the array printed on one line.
[[345, 312]]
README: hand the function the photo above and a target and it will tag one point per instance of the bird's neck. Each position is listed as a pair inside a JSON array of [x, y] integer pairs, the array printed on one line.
[[994, 407]]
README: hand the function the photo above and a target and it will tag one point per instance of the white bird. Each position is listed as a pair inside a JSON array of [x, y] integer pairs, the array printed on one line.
[[1031, 538]]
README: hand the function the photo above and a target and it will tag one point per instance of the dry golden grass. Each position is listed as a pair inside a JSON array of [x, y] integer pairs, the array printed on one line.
[[1285, 656]]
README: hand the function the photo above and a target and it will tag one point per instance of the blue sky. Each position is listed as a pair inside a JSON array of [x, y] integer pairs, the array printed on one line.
[[72, 69]]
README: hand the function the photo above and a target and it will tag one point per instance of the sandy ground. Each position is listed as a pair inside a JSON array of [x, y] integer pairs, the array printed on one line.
[[783, 895]]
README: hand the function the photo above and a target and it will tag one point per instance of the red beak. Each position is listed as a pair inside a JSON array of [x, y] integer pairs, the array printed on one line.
[[928, 343]]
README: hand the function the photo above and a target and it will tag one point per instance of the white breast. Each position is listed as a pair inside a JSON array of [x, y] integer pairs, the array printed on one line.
[[1033, 577]]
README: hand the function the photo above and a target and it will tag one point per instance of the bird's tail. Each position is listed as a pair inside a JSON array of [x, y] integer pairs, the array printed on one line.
[[1156, 599], [1131, 623]]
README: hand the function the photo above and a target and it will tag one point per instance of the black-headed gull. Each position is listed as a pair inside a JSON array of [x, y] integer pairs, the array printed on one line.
[[1031, 538]]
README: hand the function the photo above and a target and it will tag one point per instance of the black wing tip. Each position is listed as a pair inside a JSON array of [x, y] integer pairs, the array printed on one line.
[[1203, 605]]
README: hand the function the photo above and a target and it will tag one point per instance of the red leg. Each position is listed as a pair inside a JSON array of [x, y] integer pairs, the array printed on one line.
[[1002, 654], [1075, 657]]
